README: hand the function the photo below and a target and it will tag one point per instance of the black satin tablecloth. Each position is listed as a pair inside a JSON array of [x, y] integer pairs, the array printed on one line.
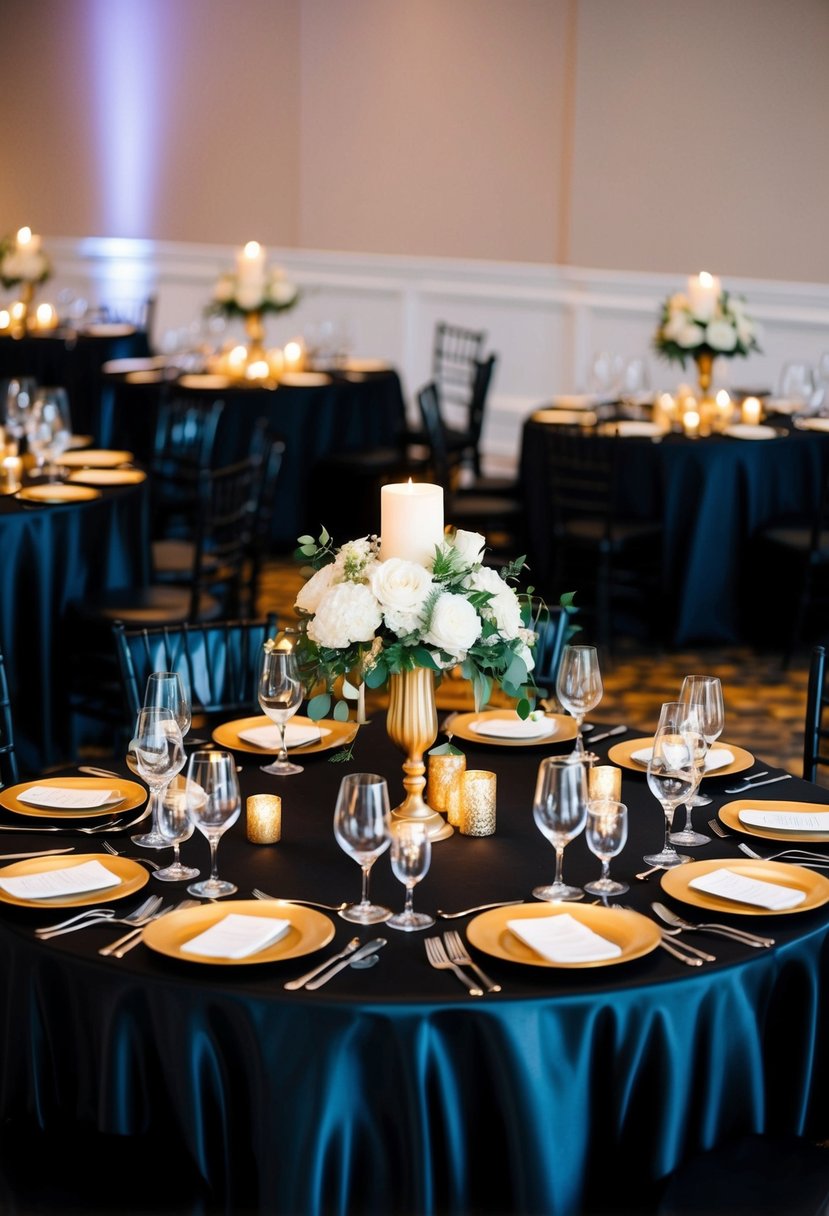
[[51, 555], [392, 1090], [711, 496]]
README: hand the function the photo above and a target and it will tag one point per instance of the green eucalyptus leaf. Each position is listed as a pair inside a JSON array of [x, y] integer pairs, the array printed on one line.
[[445, 749], [340, 712], [306, 540], [376, 675], [318, 706], [523, 709]]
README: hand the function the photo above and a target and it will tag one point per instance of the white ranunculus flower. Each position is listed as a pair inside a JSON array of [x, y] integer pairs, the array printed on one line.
[[455, 624], [312, 592], [721, 335], [348, 613], [250, 295], [503, 609], [690, 335], [470, 546]]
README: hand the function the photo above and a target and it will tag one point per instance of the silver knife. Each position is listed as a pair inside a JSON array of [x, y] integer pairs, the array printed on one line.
[[606, 734], [752, 785], [39, 853], [292, 985], [363, 952]]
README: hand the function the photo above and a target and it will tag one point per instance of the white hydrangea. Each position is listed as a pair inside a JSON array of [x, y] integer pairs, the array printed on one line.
[[311, 593], [347, 613]]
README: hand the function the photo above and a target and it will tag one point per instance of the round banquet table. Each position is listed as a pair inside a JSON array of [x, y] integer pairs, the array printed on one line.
[[710, 495], [52, 555], [391, 1089], [337, 412]]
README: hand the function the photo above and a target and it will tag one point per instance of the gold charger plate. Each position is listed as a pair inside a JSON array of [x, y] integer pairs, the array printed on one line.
[[461, 726], [309, 931], [80, 441], [634, 933], [131, 795], [730, 815], [133, 877], [304, 379], [107, 477], [676, 882], [621, 754], [206, 380], [341, 733], [58, 492], [97, 458]]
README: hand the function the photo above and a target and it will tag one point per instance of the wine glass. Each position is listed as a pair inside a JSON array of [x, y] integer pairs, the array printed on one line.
[[48, 429], [363, 830], [797, 382], [175, 825], [606, 834], [164, 690], [560, 812], [280, 696], [673, 774], [213, 803], [579, 685], [17, 395], [411, 852], [705, 692], [159, 756]]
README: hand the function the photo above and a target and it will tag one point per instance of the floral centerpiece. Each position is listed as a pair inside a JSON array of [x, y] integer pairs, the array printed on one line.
[[22, 260], [254, 288], [704, 323]]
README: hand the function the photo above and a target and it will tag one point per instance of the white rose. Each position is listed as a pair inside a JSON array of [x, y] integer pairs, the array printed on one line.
[[690, 335], [674, 326], [455, 624], [527, 655], [250, 295], [503, 609], [402, 589], [347, 613], [721, 335], [469, 546], [282, 292], [745, 330], [310, 595]]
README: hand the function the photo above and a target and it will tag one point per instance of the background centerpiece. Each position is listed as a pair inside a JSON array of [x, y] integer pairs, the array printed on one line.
[[23, 264], [254, 289], [401, 609]]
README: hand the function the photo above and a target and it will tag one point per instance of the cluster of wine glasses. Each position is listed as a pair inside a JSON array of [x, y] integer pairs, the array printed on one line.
[[40, 416], [363, 829]]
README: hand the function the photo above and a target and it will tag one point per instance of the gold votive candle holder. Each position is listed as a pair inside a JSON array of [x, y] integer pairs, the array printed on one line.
[[444, 771], [11, 474], [477, 803], [604, 781], [264, 818]]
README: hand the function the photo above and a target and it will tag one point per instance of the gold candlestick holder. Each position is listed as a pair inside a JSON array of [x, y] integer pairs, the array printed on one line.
[[412, 725]]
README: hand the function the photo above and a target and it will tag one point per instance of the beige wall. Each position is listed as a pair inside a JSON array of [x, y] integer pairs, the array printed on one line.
[[635, 134]]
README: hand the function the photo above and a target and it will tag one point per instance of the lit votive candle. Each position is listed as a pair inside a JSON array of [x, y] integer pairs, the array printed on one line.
[[46, 316], [264, 818], [751, 410], [690, 423], [477, 814], [605, 782], [294, 356], [443, 771]]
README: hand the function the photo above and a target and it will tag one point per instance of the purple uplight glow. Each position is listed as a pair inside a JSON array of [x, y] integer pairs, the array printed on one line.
[[125, 47]]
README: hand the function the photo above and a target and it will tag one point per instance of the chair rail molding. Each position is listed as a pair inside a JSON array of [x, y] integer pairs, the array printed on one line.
[[545, 322]]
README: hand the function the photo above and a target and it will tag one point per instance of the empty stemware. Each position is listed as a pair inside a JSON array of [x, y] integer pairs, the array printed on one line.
[[49, 428], [705, 693], [579, 685], [560, 811], [411, 853], [280, 696], [159, 757], [213, 803], [18, 395], [164, 690], [673, 774], [176, 826], [606, 834], [363, 830]]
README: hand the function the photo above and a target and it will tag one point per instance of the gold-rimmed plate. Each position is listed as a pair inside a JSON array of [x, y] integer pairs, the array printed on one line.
[[339, 734], [622, 754], [107, 477], [677, 882], [57, 493], [96, 458], [565, 728], [633, 933], [132, 878], [129, 795], [730, 815], [309, 931]]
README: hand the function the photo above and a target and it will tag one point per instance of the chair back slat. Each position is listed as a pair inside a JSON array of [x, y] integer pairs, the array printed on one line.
[[8, 759], [817, 700]]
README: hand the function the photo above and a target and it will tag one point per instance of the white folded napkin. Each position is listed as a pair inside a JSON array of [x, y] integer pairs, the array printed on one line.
[[727, 884], [237, 936], [563, 939], [72, 880], [296, 735], [635, 429], [66, 797], [513, 728], [718, 757], [792, 821]]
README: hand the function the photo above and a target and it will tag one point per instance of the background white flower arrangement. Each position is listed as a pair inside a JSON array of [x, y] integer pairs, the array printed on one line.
[[722, 328], [22, 263]]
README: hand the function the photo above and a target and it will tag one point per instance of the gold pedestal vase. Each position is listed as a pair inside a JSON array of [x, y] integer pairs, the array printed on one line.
[[255, 330], [412, 725]]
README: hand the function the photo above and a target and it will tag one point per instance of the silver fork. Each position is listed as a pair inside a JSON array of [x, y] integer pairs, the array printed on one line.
[[99, 827], [139, 917], [806, 856], [718, 829], [439, 959], [119, 948], [110, 848], [458, 953], [308, 903]]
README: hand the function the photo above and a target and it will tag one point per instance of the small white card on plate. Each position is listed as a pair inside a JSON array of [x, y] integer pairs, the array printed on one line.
[[563, 939], [718, 757], [237, 936], [65, 797], [726, 884], [787, 821], [296, 735], [54, 884], [513, 728]]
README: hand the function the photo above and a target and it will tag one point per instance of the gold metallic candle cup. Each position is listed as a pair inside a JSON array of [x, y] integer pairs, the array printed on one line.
[[443, 771], [477, 811], [264, 818], [604, 782]]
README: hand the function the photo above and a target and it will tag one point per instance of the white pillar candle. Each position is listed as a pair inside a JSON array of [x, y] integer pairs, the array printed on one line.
[[751, 410], [411, 521], [27, 242], [703, 295], [250, 263]]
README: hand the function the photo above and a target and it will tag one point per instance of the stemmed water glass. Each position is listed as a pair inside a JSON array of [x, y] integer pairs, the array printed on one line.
[[606, 834], [705, 693], [673, 772], [411, 853], [213, 804], [49, 427], [175, 825], [560, 812], [579, 685], [363, 830], [280, 696], [164, 690], [18, 395], [159, 757]]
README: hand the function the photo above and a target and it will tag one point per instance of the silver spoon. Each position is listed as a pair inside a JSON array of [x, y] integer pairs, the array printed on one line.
[[504, 903]]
